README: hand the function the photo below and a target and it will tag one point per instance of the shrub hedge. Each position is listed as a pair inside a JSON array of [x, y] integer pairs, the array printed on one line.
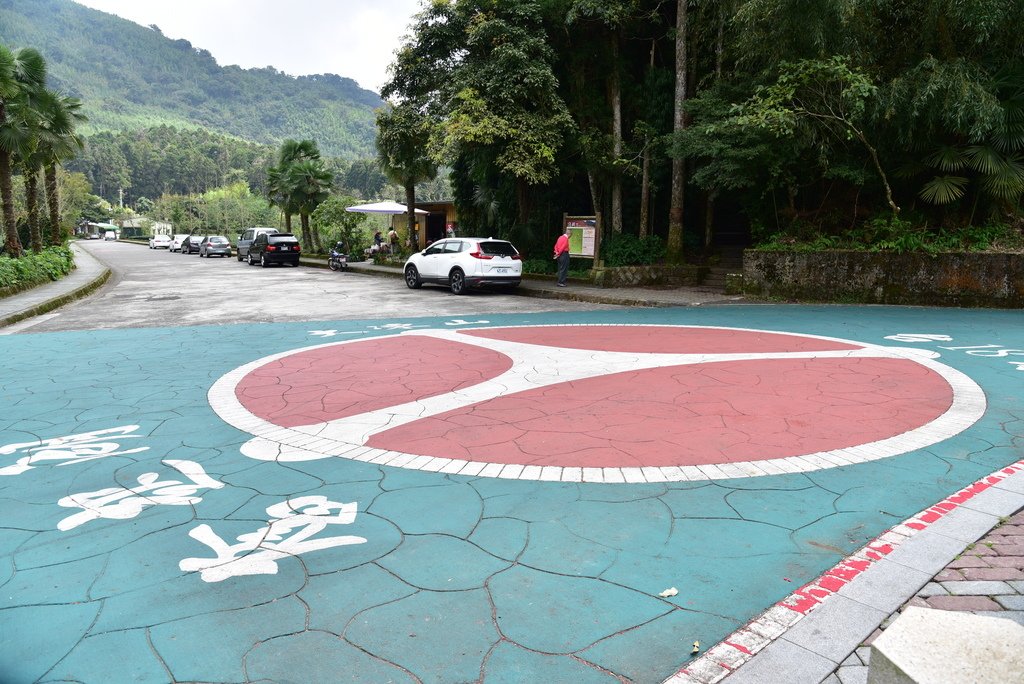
[[52, 263]]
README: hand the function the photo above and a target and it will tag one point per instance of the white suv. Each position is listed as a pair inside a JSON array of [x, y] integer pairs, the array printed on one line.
[[461, 263]]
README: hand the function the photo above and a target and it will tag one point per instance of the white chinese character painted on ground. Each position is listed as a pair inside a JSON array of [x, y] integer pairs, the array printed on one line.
[[121, 503], [395, 326], [919, 337], [459, 321], [72, 449], [287, 533], [332, 333]]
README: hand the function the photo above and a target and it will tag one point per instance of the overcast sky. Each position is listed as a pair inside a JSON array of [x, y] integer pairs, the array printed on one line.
[[353, 38]]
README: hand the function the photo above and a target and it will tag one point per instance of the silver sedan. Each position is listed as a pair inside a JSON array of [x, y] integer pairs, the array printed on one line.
[[215, 245]]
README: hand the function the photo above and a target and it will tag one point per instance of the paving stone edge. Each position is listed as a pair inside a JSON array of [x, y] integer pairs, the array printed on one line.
[[742, 645]]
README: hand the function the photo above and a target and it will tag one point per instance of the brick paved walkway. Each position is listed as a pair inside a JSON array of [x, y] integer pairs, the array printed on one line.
[[987, 579]]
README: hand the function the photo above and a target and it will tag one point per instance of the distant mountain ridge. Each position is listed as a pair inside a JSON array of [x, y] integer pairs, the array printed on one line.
[[130, 76]]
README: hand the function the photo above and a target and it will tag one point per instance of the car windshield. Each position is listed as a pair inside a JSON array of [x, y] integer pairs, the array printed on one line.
[[498, 248], [218, 240]]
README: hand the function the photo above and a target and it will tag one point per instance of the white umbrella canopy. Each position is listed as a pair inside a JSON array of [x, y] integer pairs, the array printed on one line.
[[382, 208]]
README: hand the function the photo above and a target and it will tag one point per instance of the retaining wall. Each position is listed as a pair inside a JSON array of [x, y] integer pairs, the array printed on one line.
[[636, 276], [955, 279]]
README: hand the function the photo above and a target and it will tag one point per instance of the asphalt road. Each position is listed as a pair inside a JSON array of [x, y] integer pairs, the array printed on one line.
[[155, 288]]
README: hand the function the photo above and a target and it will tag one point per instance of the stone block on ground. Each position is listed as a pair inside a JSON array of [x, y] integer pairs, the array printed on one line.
[[931, 646]]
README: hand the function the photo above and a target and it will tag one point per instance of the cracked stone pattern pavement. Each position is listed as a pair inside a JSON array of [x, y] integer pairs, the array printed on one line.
[[460, 578]]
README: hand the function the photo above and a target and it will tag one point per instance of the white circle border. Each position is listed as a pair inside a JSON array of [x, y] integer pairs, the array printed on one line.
[[968, 406]]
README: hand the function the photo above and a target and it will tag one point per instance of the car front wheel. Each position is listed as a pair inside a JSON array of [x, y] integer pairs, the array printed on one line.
[[248, 258], [412, 278], [263, 260], [457, 281], [239, 256]]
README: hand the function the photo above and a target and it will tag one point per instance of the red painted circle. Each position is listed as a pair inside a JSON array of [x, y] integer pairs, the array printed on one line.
[[726, 411], [687, 415], [334, 382]]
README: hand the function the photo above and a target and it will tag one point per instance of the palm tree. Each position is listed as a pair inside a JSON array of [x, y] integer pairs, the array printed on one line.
[[30, 162], [279, 195], [59, 115], [278, 189], [310, 185], [402, 137], [22, 75], [49, 124]]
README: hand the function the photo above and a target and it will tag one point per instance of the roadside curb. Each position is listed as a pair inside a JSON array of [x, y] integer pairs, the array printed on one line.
[[59, 301], [589, 298], [857, 594], [524, 290]]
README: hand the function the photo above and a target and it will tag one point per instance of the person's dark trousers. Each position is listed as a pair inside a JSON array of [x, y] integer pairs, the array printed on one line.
[[563, 268]]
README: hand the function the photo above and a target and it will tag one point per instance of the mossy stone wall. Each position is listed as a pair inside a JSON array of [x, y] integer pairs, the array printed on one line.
[[637, 276], [954, 279]]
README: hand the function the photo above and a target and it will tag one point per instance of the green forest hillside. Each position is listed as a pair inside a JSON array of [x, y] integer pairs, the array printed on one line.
[[130, 77]]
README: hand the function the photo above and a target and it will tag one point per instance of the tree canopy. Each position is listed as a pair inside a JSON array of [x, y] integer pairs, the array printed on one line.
[[796, 116]]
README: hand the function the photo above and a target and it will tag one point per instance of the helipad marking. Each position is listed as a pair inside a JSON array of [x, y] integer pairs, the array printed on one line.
[[348, 437]]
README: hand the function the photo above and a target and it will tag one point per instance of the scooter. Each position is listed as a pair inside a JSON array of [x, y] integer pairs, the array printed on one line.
[[338, 261]]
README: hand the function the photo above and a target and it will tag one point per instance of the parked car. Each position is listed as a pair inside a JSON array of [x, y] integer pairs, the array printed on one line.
[[94, 236], [245, 240], [110, 235], [190, 245], [274, 248], [215, 245], [160, 242], [462, 263], [176, 241]]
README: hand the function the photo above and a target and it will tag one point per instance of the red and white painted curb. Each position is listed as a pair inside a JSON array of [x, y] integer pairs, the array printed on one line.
[[740, 646]]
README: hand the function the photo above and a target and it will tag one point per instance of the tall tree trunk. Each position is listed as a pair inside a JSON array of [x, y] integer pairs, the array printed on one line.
[[523, 201], [53, 204], [709, 220], [645, 191], [12, 243], [318, 245], [307, 242], [645, 181], [410, 209], [287, 222], [675, 216], [615, 96], [32, 208], [719, 43], [595, 192]]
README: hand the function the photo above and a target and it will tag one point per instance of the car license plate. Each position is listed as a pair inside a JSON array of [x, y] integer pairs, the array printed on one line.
[[501, 270]]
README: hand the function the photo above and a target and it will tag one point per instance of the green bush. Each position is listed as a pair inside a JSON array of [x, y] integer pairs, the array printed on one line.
[[52, 263], [624, 249], [891, 234], [539, 266]]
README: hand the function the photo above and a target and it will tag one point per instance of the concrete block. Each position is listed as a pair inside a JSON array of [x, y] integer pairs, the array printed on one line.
[[836, 628], [886, 586], [927, 551], [966, 524], [783, 663], [997, 501], [932, 646]]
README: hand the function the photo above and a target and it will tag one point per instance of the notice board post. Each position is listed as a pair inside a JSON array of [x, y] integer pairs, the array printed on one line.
[[584, 236]]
